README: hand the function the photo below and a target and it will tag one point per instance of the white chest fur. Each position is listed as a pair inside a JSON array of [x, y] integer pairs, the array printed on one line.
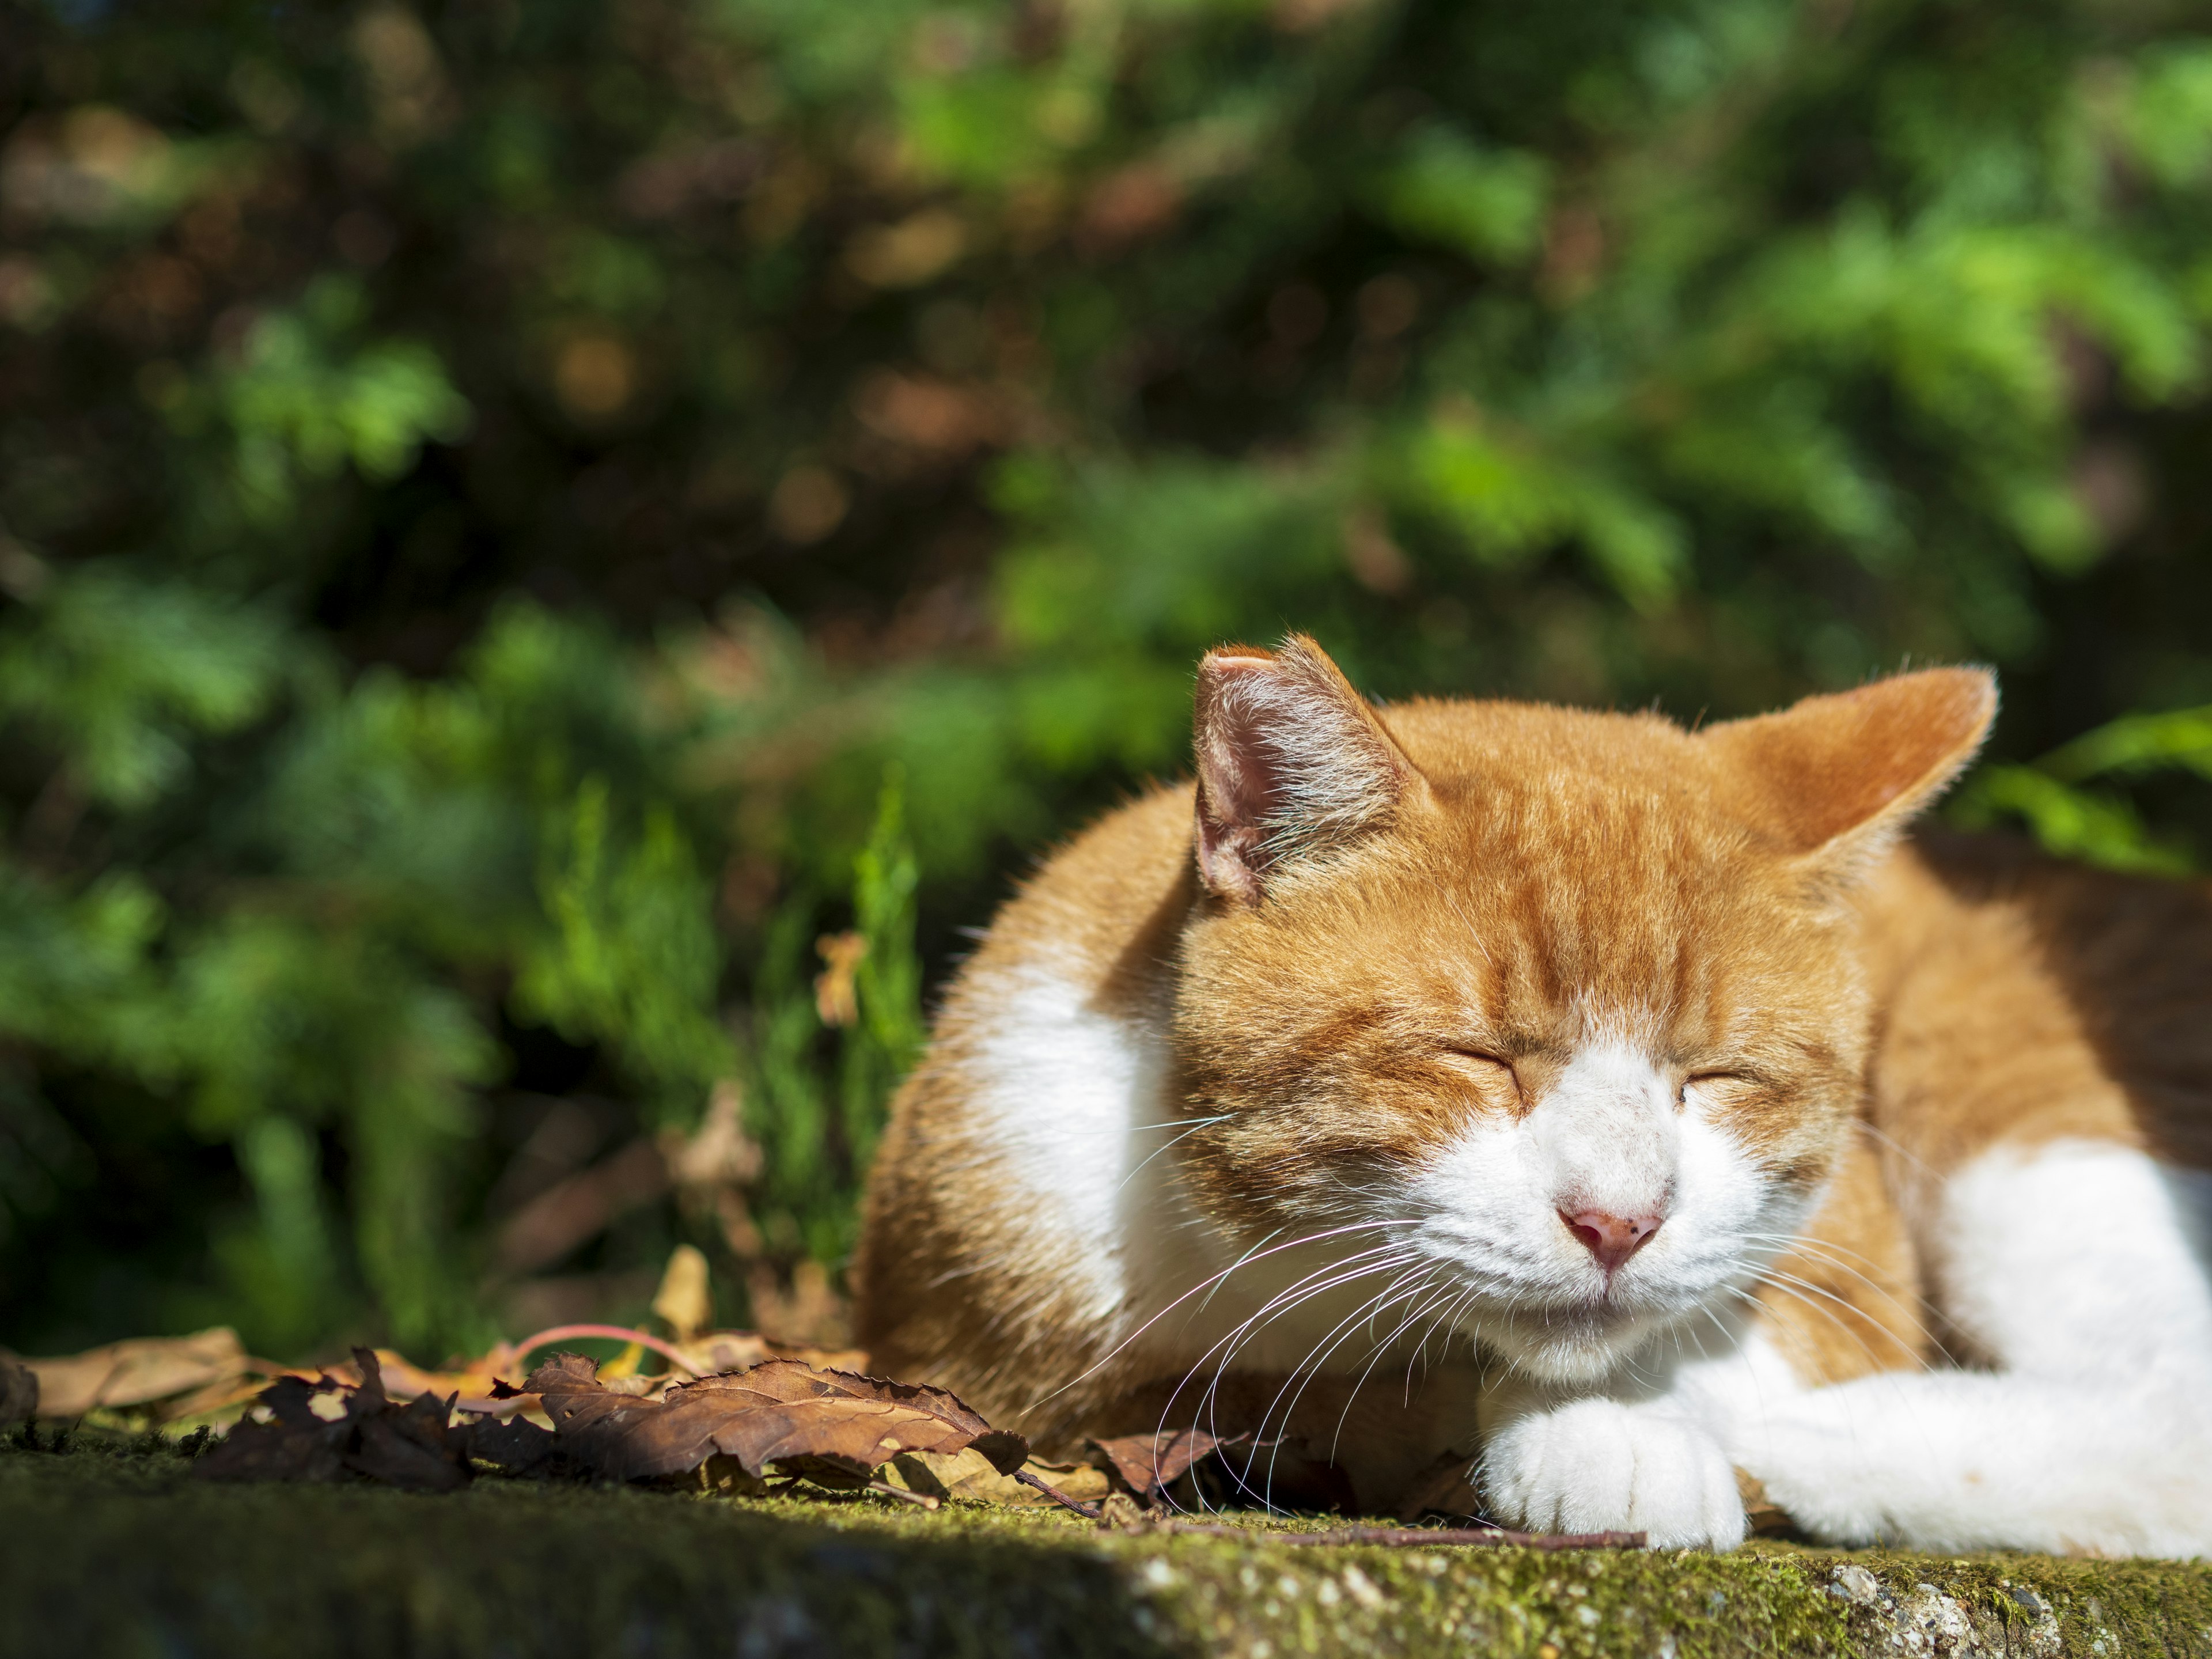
[[1073, 1112]]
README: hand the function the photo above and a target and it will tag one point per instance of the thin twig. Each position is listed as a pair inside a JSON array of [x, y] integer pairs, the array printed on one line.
[[1414, 1537], [902, 1494], [1088, 1511]]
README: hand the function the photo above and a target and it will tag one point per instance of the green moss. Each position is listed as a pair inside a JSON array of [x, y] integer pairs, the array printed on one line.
[[112, 1548]]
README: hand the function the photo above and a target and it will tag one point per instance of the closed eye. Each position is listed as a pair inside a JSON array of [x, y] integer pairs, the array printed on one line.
[[1481, 1056], [1718, 1086], [1490, 1072]]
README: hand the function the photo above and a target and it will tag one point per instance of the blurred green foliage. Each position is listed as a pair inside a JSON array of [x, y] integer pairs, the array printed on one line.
[[526, 531]]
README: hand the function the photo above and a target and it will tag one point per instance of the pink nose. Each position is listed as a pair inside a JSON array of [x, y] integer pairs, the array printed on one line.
[[1611, 1238]]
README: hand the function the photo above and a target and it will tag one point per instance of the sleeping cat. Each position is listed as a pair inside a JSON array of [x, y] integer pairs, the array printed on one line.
[[1554, 1114]]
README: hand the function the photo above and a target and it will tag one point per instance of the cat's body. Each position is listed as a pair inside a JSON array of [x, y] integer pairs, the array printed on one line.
[[1621, 1106]]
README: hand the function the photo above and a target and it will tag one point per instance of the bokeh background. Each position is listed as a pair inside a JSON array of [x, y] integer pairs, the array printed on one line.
[[555, 556]]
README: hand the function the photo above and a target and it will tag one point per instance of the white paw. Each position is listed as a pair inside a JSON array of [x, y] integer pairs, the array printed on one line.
[[1598, 1466]]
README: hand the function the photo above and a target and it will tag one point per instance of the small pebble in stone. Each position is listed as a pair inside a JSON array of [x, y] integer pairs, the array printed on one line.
[[1854, 1583]]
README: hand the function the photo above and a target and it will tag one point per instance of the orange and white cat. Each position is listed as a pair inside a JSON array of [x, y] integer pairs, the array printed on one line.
[[1589, 1108]]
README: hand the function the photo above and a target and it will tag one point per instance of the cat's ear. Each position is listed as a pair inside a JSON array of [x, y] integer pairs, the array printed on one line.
[[1291, 761], [1838, 777]]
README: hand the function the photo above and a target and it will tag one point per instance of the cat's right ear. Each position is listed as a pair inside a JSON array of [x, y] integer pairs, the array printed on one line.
[[1291, 762]]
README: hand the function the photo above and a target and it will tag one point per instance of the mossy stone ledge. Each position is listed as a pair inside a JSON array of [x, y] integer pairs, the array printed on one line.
[[114, 1550]]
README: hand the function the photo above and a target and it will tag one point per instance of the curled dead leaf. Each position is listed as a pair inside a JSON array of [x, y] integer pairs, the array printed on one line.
[[327, 1429], [969, 1475], [1149, 1463], [142, 1371], [835, 1428], [1233, 1469], [714, 1352]]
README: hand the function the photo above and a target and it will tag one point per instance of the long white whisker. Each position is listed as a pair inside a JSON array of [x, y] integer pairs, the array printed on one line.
[[1212, 1281]]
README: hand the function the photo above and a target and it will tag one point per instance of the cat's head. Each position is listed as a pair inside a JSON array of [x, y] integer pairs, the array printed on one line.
[[1558, 1013]]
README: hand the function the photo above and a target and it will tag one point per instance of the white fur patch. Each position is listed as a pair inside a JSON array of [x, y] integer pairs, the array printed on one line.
[[1077, 1120], [1601, 1465], [1608, 1136], [2078, 1268], [2083, 1259]]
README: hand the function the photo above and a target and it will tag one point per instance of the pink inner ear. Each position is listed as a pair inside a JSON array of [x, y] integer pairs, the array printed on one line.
[[1240, 770], [1236, 790]]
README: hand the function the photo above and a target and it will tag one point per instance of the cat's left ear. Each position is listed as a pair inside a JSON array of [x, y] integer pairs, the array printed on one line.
[[1838, 777]]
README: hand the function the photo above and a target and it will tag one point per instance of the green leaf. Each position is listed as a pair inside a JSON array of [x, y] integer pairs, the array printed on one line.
[[1487, 204]]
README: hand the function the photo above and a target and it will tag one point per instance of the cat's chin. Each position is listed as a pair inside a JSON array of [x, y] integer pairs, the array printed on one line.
[[1580, 1344]]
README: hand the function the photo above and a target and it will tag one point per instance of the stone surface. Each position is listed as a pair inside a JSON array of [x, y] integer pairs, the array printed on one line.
[[116, 1550]]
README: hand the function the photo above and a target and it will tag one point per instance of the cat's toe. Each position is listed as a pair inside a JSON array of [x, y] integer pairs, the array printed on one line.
[[1600, 1466]]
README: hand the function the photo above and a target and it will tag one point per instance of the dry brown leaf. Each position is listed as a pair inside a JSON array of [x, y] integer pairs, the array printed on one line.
[[140, 1371], [684, 1302], [1234, 1468], [1148, 1463], [714, 1352], [482, 1384], [19, 1390], [474, 1385], [971, 1474], [832, 1427], [516, 1447], [328, 1430]]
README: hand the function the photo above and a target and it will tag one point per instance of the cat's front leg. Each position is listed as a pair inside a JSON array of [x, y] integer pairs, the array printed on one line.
[[1603, 1465], [2079, 1269]]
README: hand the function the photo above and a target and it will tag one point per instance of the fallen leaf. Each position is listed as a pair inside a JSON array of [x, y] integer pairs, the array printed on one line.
[[329, 1430], [140, 1371], [1148, 1463], [474, 1385], [19, 1390], [833, 1427], [515, 1447], [294, 1443], [968, 1473], [715, 1352], [410, 1446], [1235, 1468], [684, 1302]]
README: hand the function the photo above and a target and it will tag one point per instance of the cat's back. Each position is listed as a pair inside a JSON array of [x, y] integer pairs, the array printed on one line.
[[2023, 999]]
